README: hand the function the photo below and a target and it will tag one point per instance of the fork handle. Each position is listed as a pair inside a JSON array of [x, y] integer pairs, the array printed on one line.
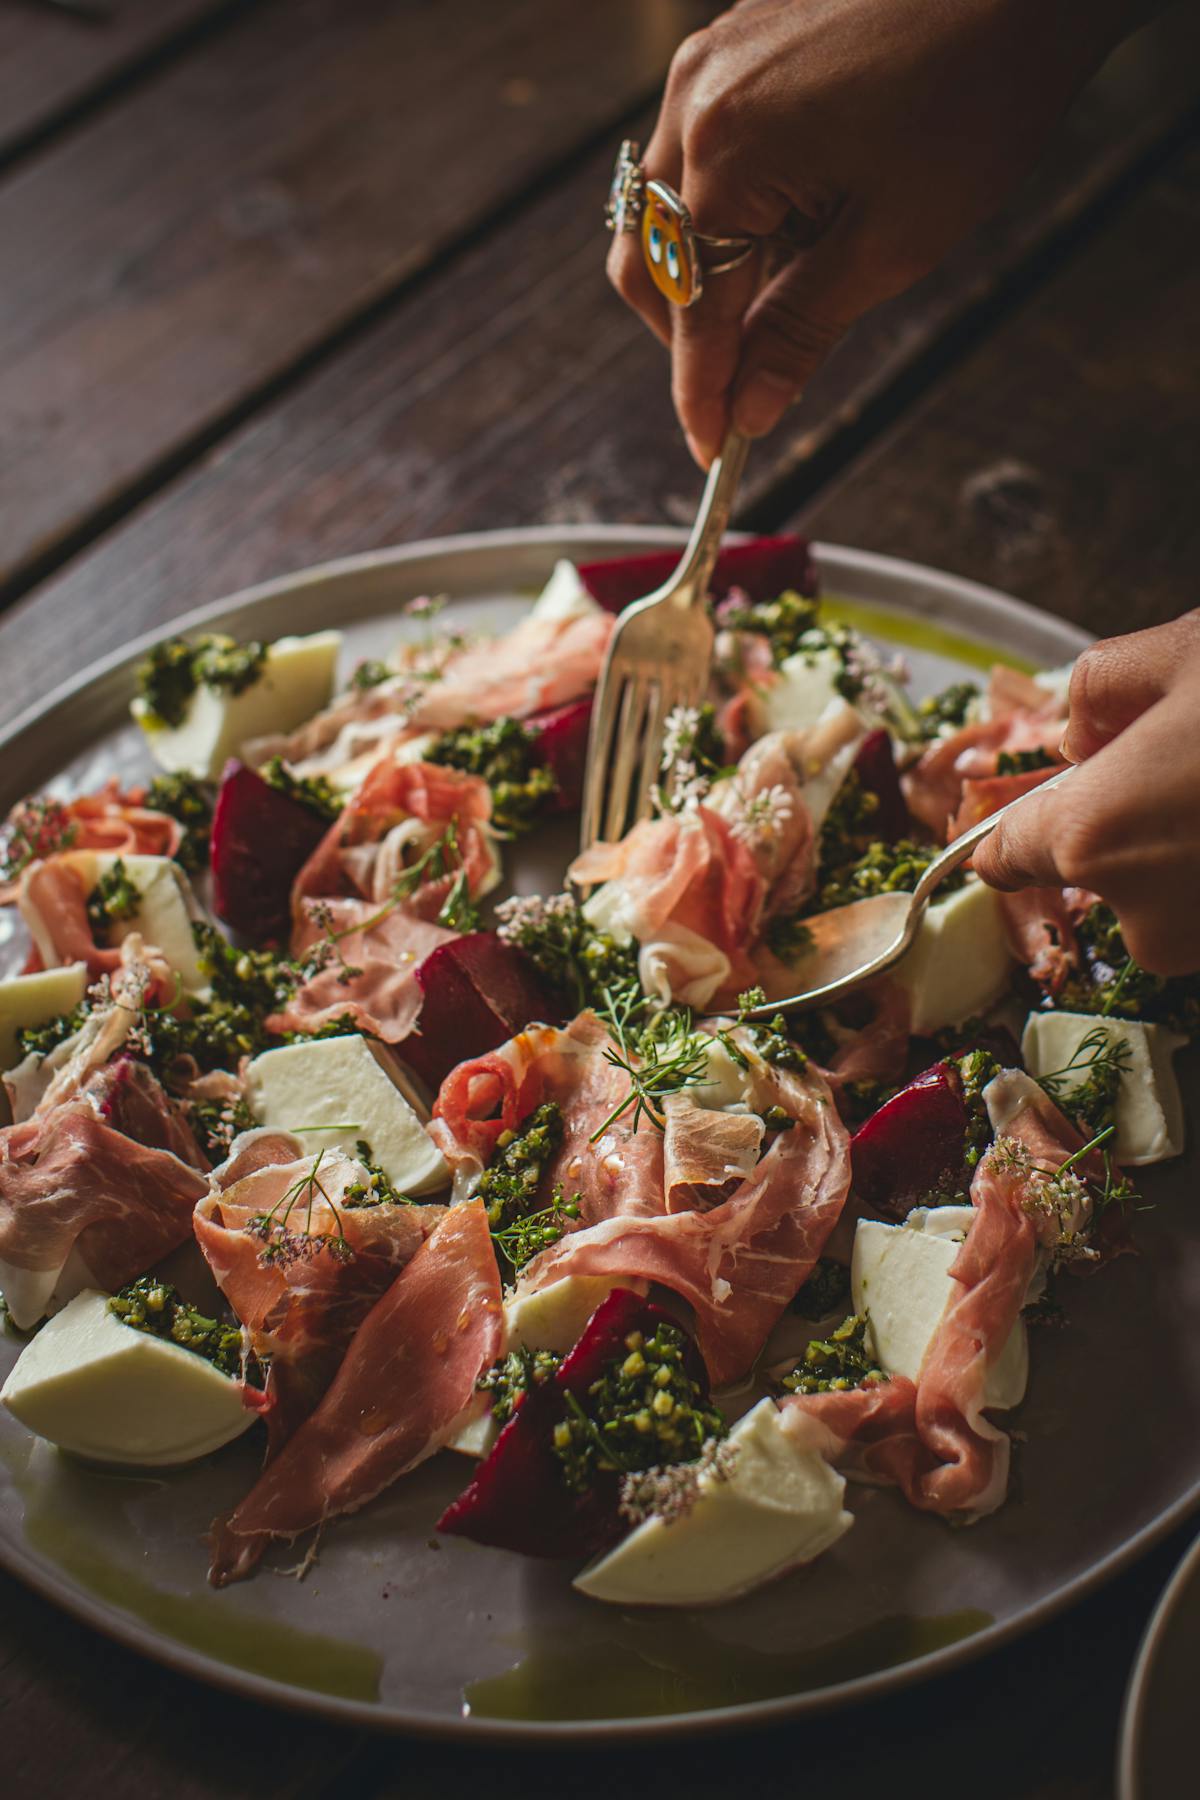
[[696, 567]]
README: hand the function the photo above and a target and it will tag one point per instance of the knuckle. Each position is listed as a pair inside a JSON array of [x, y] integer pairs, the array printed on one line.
[[689, 59], [785, 320], [1080, 848]]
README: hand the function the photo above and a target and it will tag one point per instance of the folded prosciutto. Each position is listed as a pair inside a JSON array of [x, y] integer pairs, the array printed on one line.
[[84, 1204], [703, 1205], [410, 1371], [300, 1264], [969, 775], [931, 1437]]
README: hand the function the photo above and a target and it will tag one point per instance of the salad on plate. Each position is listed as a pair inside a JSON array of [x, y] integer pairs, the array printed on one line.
[[325, 1127]]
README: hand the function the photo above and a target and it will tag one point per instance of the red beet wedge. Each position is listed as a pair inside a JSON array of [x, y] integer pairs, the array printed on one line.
[[562, 736], [764, 568], [479, 991], [914, 1145], [260, 841], [876, 769], [518, 1499]]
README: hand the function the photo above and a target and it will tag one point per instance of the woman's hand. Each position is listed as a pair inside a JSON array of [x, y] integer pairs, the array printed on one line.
[[1127, 825], [872, 134]]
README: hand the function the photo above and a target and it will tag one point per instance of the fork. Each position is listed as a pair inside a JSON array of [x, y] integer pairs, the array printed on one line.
[[658, 659], [853, 944]]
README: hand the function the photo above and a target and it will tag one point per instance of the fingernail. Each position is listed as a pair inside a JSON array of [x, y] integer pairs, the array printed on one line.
[[700, 452], [762, 402]]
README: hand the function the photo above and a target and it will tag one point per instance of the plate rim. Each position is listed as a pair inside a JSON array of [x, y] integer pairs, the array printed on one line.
[[1131, 1740], [128, 1630]]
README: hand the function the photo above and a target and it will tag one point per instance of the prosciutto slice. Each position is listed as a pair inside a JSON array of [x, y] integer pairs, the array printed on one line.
[[956, 781], [407, 1376], [932, 1438], [375, 980], [301, 1312], [686, 873], [690, 1207], [398, 812], [75, 1188], [112, 821]]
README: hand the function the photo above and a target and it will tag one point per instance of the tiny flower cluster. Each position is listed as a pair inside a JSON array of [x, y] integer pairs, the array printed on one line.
[[758, 819], [669, 1492]]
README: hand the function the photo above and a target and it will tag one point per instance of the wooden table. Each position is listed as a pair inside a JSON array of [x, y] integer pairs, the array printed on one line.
[[283, 281]]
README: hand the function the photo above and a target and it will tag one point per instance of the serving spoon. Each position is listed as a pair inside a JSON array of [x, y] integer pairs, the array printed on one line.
[[853, 944]]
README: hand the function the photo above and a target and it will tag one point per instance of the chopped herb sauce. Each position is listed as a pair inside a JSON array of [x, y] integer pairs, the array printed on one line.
[[836, 1363], [190, 801], [155, 1307], [174, 669]]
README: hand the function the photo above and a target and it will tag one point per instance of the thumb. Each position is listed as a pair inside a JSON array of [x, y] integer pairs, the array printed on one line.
[[793, 325], [1020, 851]]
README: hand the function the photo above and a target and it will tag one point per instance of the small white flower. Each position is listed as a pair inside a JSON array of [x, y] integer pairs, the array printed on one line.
[[679, 734], [759, 818]]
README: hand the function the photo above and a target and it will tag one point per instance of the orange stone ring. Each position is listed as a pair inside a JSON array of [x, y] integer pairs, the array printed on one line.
[[671, 245]]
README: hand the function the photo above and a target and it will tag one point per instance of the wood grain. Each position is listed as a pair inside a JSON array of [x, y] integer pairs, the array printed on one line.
[[52, 66], [186, 250], [1059, 462], [511, 387]]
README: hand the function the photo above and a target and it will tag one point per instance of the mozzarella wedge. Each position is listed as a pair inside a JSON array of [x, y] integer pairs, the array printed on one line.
[[901, 1283], [350, 1087], [1150, 1122], [163, 919], [102, 1390], [778, 1506], [806, 684], [564, 595], [960, 962], [27, 1000], [295, 682]]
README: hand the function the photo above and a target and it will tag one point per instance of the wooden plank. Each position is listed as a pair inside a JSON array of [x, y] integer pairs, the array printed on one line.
[[512, 387], [1058, 461], [187, 250], [53, 65]]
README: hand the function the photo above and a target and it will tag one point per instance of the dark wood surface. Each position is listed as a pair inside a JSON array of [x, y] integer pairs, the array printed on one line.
[[299, 279]]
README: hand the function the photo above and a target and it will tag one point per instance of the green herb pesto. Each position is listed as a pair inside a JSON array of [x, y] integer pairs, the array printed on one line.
[[113, 899], [520, 1370], [1113, 985], [644, 1411], [174, 669], [215, 1124], [788, 937], [883, 869], [35, 828], [376, 1190], [1023, 762], [509, 1184], [506, 755], [155, 1306], [191, 802], [785, 622], [370, 673], [849, 826], [581, 962], [40, 1040], [517, 1243], [836, 1363], [319, 795], [246, 985], [825, 1292], [949, 708]]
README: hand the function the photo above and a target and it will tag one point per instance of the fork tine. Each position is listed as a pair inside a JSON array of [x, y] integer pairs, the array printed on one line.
[[606, 711], [630, 728], [652, 747]]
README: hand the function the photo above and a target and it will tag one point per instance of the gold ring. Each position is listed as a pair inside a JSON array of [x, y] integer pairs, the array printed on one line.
[[671, 245]]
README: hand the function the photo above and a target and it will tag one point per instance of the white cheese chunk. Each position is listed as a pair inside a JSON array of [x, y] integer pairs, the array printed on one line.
[[564, 595], [296, 681], [27, 1000], [100, 1389], [163, 918], [900, 1282], [806, 684], [1150, 1123], [960, 962], [350, 1086], [779, 1506]]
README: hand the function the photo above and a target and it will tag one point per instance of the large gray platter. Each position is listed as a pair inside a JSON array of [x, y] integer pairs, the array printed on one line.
[[394, 1630]]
